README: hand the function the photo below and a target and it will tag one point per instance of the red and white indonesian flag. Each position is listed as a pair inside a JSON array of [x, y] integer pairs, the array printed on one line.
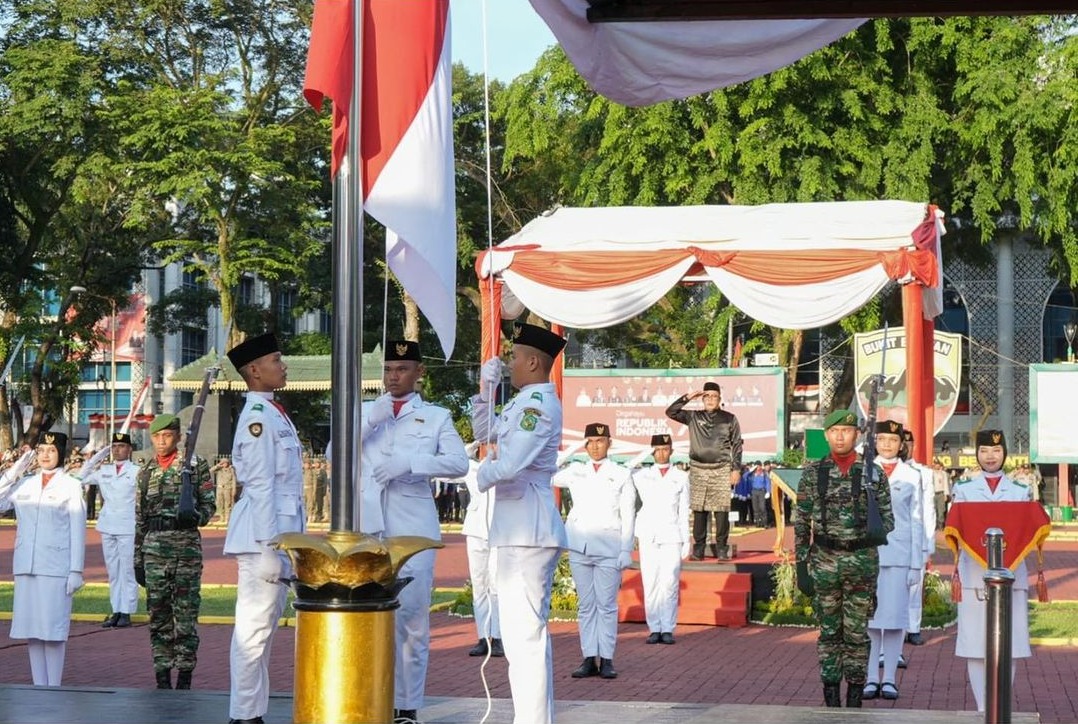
[[407, 136]]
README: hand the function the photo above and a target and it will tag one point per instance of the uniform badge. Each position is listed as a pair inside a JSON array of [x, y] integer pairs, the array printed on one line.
[[258, 407], [255, 428], [530, 419], [537, 396]]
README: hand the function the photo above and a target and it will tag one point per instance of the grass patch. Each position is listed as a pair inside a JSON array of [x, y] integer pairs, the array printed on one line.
[[217, 600], [1053, 620]]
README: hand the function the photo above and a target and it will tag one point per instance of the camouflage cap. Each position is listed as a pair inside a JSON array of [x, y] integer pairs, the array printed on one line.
[[840, 417]]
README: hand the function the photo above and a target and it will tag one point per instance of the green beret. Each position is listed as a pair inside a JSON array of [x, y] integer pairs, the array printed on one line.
[[164, 422], [840, 417]]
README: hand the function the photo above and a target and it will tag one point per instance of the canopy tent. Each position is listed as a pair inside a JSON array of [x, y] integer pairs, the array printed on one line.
[[794, 266]]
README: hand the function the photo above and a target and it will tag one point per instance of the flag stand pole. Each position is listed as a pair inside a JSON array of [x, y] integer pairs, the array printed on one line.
[[346, 584]]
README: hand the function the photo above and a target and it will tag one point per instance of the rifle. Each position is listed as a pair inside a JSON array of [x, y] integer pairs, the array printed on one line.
[[187, 512], [875, 529]]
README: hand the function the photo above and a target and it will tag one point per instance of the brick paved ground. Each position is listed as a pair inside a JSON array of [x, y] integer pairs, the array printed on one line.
[[752, 665]]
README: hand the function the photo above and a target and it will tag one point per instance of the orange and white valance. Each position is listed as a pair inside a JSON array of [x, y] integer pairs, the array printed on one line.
[[795, 266]]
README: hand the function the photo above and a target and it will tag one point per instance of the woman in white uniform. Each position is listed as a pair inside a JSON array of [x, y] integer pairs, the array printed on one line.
[[900, 562], [991, 485], [50, 542]]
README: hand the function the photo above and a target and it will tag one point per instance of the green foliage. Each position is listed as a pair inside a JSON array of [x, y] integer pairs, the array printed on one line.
[[562, 600], [792, 458]]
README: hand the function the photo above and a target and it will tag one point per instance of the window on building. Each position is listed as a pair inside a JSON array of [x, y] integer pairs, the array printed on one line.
[[192, 345], [191, 280], [246, 291], [102, 371], [1060, 310], [99, 402]]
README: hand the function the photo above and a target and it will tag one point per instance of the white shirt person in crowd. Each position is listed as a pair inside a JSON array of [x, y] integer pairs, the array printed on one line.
[[482, 562], [663, 536], [117, 482], [50, 546]]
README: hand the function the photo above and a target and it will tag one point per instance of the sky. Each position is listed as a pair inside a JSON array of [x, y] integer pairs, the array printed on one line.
[[516, 36]]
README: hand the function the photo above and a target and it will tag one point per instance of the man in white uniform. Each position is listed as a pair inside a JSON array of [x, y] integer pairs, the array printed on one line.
[[600, 530], [526, 529], [116, 481], [926, 499], [662, 530], [482, 563], [267, 456], [406, 442], [991, 485]]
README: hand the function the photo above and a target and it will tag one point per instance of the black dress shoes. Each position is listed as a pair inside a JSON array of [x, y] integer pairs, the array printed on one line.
[[606, 669], [252, 720], [405, 716], [480, 649], [496, 648], [653, 638], [667, 638], [915, 639], [110, 621], [587, 668], [123, 620]]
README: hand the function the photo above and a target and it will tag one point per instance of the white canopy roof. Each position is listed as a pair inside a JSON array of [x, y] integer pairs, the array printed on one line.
[[793, 266]]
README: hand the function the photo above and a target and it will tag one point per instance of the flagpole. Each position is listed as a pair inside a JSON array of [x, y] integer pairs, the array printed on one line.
[[347, 371]]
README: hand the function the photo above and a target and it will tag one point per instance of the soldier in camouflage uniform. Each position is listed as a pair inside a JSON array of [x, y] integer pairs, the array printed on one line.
[[830, 537], [168, 552]]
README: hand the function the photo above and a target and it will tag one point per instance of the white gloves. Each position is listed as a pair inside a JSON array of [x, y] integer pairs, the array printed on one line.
[[390, 468], [380, 411], [913, 577], [686, 549], [270, 565], [490, 376], [74, 582], [625, 559]]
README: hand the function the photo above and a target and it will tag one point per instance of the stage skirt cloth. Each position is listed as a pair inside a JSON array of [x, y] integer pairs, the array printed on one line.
[[709, 487], [42, 608], [892, 599], [970, 643]]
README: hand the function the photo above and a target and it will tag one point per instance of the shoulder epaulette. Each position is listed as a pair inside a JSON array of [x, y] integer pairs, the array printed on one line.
[[1020, 485], [258, 407], [537, 396], [963, 482]]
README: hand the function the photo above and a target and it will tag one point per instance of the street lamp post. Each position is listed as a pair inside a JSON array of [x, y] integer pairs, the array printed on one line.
[[112, 356], [1069, 330]]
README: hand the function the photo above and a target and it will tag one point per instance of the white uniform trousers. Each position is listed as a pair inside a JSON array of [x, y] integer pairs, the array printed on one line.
[[916, 603], [413, 632], [597, 582], [660, 574], [119, 552], [524, 578], [482, 568], [259, 605]]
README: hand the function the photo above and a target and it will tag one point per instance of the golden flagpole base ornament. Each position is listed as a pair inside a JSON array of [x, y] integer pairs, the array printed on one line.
[[346, 588]]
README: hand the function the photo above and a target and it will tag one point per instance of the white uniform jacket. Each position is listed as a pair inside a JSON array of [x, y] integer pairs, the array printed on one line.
[[664, 515], [50, 539], [422, 439], [528, 433], [976, 490], [117, 515], [480, 505], [928, 509], [600, 523], [268, 459], [904, 548]]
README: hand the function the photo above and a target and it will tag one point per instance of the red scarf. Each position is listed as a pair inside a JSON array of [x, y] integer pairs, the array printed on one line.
[[844, 462], [993, 480], [889, 468], [166, 461]]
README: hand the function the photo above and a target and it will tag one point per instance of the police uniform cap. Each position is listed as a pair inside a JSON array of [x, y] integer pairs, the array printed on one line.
[[840, 417], [164, 422], [657, 440], [889, 427], [402, 350], [541, 339], [712, 387], [121, 438], [251, 349], [597, 429]]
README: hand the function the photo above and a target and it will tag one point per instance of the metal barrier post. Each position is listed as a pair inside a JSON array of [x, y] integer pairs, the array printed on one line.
[[998, 582]]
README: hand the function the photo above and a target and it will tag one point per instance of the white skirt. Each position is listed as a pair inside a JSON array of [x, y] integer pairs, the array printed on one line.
[[41, 609], [892, 599], [970, 642]]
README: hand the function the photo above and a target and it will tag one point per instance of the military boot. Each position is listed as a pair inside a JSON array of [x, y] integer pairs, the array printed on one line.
[[832, 695], [853, 695], [183, 679], [164, 678]]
